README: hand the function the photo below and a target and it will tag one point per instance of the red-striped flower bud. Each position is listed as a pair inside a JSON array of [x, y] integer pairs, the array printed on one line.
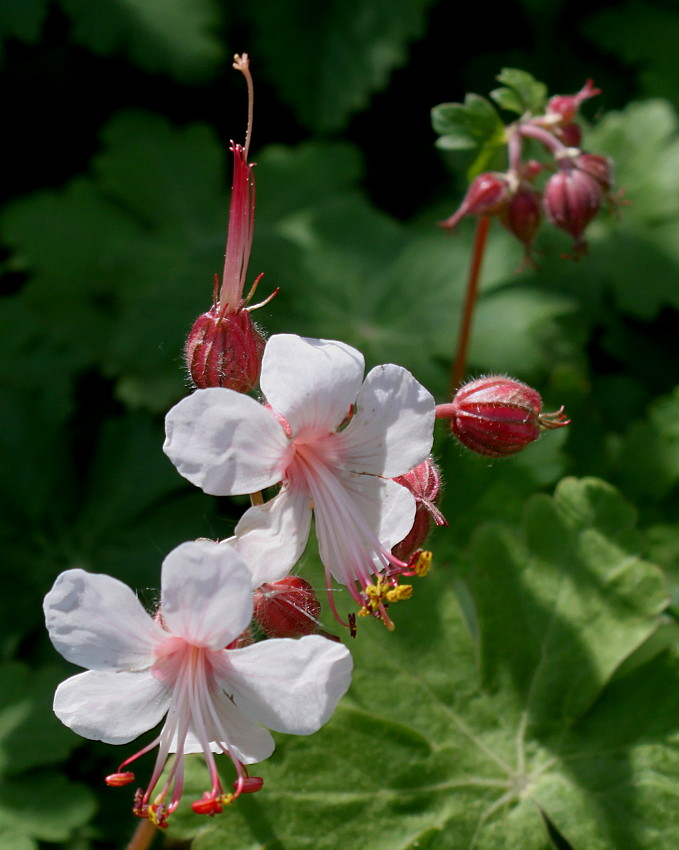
[[497, 416], [487, 195], [522, 216], [598, 167], [424, 482], [571, 200], [224, 351], [287, 608]]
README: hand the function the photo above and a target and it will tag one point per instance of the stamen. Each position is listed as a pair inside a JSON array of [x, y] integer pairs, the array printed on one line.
[[117, 780]]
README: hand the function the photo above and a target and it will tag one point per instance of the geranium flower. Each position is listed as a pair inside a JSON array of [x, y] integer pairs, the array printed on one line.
[[332, 440], [178, 665]]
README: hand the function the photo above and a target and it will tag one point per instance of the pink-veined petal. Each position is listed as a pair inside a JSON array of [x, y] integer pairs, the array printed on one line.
[[357, 521], [393, 428], [312, 382], [289, 685], [249, 742], [272, 537], [111, 707], [206, 595], [387, 507], [97, 622], [225, 442]]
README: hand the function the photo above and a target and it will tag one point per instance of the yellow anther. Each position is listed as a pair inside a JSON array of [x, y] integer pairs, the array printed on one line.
[[364, 612], [423, 564], [226, 799], [157, 815], [372, 591], [401, 591]]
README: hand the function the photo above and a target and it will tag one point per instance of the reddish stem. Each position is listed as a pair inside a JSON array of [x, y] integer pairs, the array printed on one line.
[[460, 362], [143, 836]]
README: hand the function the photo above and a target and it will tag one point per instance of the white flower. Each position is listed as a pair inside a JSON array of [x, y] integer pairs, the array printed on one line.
[[179, 666], [333, 441]]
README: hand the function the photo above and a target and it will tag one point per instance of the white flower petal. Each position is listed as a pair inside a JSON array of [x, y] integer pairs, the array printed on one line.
[[380, 513], [393, 428], [111, 707], [386, 506], [272, 537], [96, 621], [225, 442], [206, 595], [289, 685], [312, 382], [249, 742]]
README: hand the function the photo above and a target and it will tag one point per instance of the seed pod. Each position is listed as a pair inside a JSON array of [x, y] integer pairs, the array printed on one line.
[[497, 416], [224, 351]]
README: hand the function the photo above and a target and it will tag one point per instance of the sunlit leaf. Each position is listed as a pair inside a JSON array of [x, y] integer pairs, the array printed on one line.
[[424, 754]]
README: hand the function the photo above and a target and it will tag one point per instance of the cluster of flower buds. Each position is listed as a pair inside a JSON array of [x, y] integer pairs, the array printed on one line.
[[497, 416], [573, 194]]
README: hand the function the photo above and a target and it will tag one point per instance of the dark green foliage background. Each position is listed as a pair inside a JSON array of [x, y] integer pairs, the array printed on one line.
[[530, 695]]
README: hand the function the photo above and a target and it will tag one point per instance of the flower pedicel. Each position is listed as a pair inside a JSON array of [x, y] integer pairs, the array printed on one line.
[[180, 665]]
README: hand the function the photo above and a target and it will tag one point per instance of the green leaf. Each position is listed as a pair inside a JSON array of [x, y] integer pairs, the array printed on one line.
[[328, 58], [642, 34], [128, 256], [423, 754], [521, 92], [647, 457], [353, 273], [533, 337], [21, 19], [290, 179], [30, 734], [643, 243], [177, 37], [576, 600], [472, 124], [63, 807]]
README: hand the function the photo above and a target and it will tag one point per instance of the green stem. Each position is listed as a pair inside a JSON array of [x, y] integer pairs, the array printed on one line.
[[460, 363]]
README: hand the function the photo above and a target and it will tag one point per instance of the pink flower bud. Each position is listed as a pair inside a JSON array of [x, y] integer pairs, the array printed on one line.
[[497, 416], [566, 105], [487, 194], [287, 608], [598, 167], [570, 135], [522, 216], [571, 200], [224, 351]]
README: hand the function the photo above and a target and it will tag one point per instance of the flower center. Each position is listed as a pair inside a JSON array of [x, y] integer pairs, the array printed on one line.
[[177, 660]]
